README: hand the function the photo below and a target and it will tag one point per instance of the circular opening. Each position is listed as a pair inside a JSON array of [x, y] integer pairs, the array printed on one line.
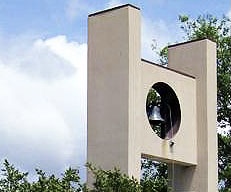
[[163, 110]]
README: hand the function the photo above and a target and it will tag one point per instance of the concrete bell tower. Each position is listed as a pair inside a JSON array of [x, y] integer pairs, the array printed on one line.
[[119, 128]]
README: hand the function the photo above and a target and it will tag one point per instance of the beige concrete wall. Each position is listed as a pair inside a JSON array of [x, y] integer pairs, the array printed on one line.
[[113, 53], [184, 151], [118, 83], [199, 59]]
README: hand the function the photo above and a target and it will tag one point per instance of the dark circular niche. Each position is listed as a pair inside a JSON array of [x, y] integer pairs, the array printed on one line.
[[162, 99]]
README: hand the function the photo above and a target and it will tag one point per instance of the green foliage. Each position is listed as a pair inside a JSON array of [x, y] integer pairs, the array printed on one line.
[[224, 162], [164, 56], [12, 180], [153, 180], [113, 181], [69, 182], [153, 97], [217, 30], [154, 176]]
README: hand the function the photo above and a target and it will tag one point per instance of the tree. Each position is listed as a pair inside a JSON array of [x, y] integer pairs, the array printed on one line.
[[217, 30], [12, 180], [154, 176], [113, 181]]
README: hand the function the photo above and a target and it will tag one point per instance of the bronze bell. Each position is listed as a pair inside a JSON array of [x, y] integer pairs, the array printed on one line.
[[155, 115]]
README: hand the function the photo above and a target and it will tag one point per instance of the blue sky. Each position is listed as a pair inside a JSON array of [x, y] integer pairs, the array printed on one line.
[[43, 59], [47, 18]]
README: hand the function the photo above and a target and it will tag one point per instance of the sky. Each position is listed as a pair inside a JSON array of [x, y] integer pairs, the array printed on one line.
[[43, 72]]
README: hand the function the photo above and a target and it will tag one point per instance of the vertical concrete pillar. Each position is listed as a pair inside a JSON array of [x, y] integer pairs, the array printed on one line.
[[113, 62], [118, 83], [198, 58]]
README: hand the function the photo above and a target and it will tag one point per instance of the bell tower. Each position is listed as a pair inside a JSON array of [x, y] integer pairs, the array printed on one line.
[[139, 109]]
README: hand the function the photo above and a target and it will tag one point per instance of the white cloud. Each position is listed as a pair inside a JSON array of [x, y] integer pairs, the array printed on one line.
[[43, 103], [72, 52]]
